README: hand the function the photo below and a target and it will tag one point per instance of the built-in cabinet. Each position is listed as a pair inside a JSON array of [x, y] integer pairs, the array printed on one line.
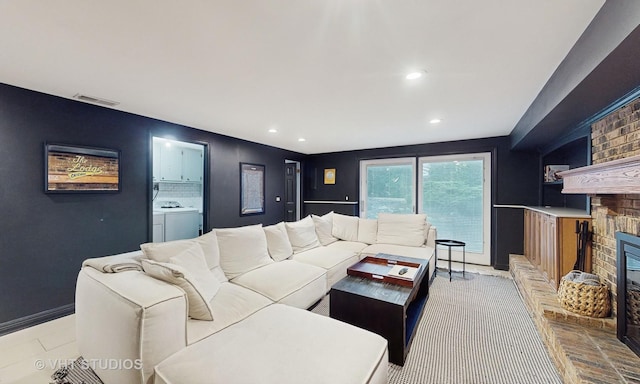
[[192, 165], [176, 163], [551, 242], [158, 227]]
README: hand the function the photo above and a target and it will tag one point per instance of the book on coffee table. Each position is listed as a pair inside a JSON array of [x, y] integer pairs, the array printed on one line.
[[403, 272]]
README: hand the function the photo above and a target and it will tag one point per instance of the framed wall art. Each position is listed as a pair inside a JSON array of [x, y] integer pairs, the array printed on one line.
[[330, 176], [70, 168], [251, 189]]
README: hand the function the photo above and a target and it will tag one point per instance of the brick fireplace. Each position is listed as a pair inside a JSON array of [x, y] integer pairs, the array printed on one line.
[[616, 136]]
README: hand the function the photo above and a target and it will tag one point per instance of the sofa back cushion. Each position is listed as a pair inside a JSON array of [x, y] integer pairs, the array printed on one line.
[[345, 227], [367, 230], [278, 242], [242, 249], [324, 224], [188, 270], [401, 229], [302, 234], [162, 252]]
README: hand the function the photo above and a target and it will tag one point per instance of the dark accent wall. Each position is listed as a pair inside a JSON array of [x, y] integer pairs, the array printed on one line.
[[45, 237], [514, 181]]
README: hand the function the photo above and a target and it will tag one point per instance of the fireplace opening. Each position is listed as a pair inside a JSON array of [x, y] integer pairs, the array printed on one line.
[[628, 291]]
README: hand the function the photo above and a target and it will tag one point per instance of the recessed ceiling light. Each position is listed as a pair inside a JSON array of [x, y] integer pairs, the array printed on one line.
[[273, 130], [302, 139], [434, 121], [415, 75]]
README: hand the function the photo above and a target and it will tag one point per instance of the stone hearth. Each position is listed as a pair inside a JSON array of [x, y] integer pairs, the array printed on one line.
[[584, 349]]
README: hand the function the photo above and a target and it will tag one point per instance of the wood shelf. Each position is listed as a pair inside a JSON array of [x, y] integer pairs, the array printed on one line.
[[612, 177]]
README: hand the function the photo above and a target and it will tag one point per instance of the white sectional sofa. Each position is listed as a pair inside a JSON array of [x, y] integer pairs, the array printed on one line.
[[230, 306]]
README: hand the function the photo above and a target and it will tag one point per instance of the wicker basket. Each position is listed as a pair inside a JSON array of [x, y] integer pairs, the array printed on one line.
[[584, 299]]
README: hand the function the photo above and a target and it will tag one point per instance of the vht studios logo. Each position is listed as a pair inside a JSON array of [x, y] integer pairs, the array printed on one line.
[[102, 364]]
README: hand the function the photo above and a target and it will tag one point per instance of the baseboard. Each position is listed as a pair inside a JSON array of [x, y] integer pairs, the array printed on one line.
[[35, 319], [502, 267]]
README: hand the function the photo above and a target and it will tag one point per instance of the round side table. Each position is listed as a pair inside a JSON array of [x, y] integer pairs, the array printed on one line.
[[450, 244]]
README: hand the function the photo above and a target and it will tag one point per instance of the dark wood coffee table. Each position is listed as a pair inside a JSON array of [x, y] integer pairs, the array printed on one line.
[[390, 310]]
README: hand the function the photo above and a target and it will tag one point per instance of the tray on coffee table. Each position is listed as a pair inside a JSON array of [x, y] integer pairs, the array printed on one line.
[[386, 270]]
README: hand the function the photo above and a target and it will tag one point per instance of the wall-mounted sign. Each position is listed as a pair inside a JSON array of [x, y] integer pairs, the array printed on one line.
[[330, 176], [71, 168]]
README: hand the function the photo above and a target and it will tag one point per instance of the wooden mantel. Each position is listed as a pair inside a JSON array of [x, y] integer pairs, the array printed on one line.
[[612, 177]]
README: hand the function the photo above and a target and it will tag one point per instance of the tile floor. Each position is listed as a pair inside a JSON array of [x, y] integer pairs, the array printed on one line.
[[31, 355]]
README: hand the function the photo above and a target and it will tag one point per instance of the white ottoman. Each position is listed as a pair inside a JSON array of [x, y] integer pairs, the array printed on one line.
[[281, 345]]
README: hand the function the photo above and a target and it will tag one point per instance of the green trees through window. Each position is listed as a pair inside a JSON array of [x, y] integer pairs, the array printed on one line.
[[452, 197], [453, 190], [389, 189]]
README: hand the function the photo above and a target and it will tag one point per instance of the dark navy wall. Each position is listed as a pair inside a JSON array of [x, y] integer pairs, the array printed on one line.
[[44, 238], [514, 181]]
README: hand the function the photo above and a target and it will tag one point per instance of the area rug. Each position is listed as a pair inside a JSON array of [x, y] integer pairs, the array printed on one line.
[[78, 372], [474, 330]]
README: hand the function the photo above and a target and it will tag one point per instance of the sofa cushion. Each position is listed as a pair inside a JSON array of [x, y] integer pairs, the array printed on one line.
[[278, 242], [345, 227], [242, 249], [230, 305], [324, 224], [287, 282], [334, 260], [302, 234], [367, 230], [423, 253], [401, 229], [209, 243], [353, 246], [189, 271], [281, 345]]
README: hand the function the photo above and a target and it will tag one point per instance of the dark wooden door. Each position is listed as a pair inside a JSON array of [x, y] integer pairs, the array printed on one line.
[[290, 192]]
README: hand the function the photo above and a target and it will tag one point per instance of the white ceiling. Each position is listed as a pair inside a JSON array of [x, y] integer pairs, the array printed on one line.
[[331, 71]]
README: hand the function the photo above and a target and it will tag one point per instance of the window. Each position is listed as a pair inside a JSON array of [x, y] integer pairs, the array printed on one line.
[[387, 185], [454, 192]]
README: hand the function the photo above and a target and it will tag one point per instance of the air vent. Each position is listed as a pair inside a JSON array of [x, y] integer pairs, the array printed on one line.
[[95, 100]]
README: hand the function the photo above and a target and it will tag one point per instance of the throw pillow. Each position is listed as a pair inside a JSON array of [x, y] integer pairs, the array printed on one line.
[[345, 227], [188, 270], [302, 234], [242, 249], [427, 227], [367, 230], [323, 225], [401, 229], [209, 243], [162, 252], [278, 242]]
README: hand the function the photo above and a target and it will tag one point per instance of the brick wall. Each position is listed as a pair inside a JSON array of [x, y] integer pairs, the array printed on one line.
[[615, 136]]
